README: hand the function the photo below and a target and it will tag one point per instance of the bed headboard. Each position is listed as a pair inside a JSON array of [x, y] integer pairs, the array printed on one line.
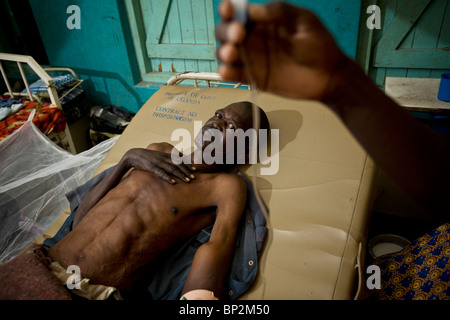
[[41, 72], [19, 59], [23, 63]]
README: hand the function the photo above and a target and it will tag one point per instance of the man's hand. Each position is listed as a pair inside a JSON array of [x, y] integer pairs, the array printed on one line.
[[159, 163], [289, 51]]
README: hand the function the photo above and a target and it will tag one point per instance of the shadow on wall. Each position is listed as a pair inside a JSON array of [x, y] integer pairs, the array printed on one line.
[[103, 90]]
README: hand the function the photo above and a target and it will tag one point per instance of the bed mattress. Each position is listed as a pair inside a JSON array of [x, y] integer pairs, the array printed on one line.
[[319, 200]]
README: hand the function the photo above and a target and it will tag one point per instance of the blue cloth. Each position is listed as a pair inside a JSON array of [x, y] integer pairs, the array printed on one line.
[[59, 82], [9, 107], [5, 103], [168, 281]]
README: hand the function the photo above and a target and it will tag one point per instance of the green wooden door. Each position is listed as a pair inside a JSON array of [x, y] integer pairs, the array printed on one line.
[[172, 36], [413, 42]]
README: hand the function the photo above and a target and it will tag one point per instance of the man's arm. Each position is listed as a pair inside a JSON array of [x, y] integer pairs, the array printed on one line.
[[301, 60], [412, 154], [212, 260]]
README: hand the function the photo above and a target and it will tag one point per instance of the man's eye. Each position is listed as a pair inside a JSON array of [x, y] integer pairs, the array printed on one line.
[[230, 126]]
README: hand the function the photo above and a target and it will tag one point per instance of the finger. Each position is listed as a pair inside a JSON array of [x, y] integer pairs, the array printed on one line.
[[265, 13], [176, 172], [186, 160], [226, 10], [228, 53], [232, 32], [232, 73], [182, 166], [182, 172], [160, 173]]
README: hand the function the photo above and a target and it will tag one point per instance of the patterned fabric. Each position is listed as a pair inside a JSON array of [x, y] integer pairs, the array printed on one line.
[[48, 118], [421, 271], [65, 98], [59, 82]]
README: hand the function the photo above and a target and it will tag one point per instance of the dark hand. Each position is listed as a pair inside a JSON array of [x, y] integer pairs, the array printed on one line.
[[289, 51], [159, 163]]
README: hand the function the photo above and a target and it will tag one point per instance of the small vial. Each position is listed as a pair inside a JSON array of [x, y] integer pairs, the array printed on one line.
[[240, 11]]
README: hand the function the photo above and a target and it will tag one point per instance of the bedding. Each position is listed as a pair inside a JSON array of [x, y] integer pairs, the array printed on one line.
[[64, 92], [8, 107], [71, 95], [35, 176], [59, 83], [48, 118], [18, 285]]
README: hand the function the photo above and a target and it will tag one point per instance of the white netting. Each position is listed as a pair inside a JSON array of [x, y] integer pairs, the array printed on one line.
[[35, 175]]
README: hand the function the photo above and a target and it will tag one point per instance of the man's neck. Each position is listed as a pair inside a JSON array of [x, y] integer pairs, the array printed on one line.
[[213, 168]]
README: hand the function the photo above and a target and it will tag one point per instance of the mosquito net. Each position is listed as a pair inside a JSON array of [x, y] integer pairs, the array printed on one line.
[[35, 175]]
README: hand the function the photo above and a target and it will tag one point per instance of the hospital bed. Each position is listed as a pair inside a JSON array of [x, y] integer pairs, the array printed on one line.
[[55, 93], [319, 201]]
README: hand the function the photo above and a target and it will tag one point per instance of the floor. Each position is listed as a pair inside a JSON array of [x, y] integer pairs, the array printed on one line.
[[395, 213], [409, 228]]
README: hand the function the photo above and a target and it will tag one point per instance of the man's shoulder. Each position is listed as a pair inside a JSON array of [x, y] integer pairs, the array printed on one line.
[[230, 182], [229, 177], [230, 194]]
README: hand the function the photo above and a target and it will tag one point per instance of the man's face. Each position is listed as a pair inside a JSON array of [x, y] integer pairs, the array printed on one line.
[[235, 116]]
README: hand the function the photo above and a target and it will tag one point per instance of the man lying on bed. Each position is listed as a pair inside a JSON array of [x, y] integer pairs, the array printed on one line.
[[132, 217]]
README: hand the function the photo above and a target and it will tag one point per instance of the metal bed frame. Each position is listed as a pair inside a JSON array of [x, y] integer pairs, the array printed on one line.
[[42, 73], [211, 80]]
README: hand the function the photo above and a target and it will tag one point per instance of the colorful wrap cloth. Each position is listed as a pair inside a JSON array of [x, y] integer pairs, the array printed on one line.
[[48, 118], [421, 271]]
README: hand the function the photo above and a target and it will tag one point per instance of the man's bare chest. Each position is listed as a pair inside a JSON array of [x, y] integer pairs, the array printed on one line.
[[149, 193]]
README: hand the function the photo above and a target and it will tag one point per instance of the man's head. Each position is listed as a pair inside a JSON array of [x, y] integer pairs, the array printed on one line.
[[231, 121], [237, 115]]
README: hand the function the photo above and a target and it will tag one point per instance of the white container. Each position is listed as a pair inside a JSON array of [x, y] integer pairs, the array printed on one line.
[[386, 243]]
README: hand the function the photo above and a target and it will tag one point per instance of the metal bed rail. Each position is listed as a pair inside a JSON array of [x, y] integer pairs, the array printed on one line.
[[19, 59], [210, 78], [44, 76], [40, 72]]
